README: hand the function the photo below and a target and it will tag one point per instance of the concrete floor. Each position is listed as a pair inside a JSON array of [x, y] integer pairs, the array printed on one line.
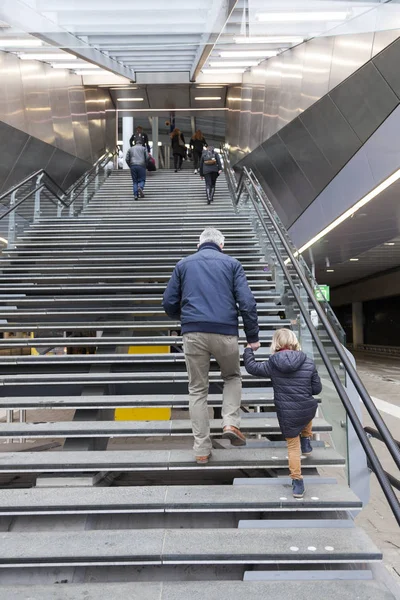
[[381, 377]]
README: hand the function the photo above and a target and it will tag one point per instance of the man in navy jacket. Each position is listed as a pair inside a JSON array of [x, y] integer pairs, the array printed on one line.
[[206, 292]]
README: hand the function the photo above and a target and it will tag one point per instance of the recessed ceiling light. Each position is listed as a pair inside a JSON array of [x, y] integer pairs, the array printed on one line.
[[15, 43], [389, 244], [130, 99], [208, 98], [270, 40], [304, 17], [330, 270], [27, 56], [249, 53], [238, 63], [354, 259]]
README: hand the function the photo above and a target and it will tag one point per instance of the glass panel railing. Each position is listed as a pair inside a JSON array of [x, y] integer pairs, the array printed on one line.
[[315, 323], [300, 260], [295, 301]]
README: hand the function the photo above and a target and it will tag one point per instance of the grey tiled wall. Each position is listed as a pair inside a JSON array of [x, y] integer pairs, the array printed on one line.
[[48, 119], [310, 127]]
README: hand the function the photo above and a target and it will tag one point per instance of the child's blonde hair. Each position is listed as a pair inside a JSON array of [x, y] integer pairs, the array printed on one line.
[[284, 339]]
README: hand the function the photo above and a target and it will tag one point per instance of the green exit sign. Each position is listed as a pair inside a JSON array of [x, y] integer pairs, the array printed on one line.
[[323, 292]]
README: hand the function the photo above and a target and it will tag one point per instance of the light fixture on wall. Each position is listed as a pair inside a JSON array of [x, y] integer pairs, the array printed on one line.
[[354, 259], [303, 17], [130, 99], [208, 98]]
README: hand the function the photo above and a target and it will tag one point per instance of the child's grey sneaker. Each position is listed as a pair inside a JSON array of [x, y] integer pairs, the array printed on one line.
[[306, 447], [298, 488]]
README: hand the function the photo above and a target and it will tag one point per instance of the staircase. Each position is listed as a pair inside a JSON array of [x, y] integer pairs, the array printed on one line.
[[112, 509]]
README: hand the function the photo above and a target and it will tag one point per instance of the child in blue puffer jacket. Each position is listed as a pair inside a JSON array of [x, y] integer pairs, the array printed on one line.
[[295, 380]]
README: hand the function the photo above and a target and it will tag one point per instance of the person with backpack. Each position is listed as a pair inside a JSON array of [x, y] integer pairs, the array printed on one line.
[[178, 148], [197, 144], [210, 169], [140, 138], [295, 381], [137, 158]]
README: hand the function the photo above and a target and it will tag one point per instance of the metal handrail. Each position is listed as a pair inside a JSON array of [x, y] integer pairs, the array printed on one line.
[[43, 172], [371, 432], [368, 403]]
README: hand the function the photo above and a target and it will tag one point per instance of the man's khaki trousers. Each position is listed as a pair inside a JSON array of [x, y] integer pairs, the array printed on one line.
[[199, 347]]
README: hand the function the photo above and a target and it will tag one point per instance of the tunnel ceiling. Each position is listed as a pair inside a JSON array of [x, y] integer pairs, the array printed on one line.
[[205, 40]]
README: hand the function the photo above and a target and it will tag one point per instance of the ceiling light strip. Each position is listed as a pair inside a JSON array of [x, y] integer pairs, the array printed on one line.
[[38, 56], [248, 53], [302, 17], [269, 40], [350, 212], [16, 43]]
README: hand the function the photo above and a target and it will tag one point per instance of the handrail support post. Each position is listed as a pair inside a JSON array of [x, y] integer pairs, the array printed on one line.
[[85, 193], [71, 204], [36, 210], [11, 223]]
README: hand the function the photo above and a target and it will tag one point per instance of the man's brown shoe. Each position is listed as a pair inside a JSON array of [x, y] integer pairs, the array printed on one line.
[[235, 435], [202, 460]]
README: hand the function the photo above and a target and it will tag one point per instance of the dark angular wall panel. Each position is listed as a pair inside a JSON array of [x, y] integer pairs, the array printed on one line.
[[331, 132], [365, 100], [388, 63], [305, 155]]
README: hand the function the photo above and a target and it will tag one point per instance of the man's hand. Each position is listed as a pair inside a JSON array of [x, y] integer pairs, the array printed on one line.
[[219, 172], [254, 346]]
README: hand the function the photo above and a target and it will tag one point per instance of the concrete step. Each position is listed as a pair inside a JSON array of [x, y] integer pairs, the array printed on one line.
[[186, 546], [201, 590], [105, 429], [78, 342], [151, 499], [262, 398], [175, 358], [49, 312], [267, 288], [160, 460], [85, 325], [75, 375], [262, 297]]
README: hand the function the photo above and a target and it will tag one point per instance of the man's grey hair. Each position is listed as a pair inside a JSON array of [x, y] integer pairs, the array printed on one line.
[[212, 235]]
